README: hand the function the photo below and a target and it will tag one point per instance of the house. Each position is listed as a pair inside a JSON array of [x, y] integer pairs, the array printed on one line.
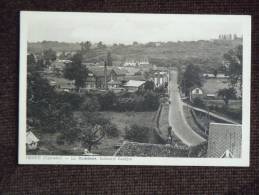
[[196, 92], [224, 140], [160, 78], [62, 84], [31, 141], [217, 76], [134, 85], [90, 82], [58, 66], [96, 79], [136, 62]]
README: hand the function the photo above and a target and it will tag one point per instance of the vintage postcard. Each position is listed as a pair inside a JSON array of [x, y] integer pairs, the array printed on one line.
[[134, 89]]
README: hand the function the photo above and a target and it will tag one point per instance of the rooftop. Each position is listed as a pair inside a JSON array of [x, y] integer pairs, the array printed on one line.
[[224, 137], [151, 150], [134, 83]]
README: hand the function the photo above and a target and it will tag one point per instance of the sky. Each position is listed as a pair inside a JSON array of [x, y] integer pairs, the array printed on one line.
[[126, 28]]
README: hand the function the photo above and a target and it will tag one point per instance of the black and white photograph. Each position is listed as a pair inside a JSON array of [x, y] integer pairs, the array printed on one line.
[[134, 89]]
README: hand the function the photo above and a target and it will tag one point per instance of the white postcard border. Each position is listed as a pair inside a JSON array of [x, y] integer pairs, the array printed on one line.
[[245, 20]]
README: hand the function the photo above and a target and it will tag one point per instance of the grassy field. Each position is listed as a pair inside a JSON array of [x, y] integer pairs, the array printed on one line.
[[122, 120], [49, 146], [233, 104]]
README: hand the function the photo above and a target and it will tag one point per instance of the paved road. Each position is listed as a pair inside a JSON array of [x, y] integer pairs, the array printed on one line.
[[176, 117]]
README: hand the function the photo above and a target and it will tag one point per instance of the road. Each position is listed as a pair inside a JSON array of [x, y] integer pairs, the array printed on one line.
[[176, 116]]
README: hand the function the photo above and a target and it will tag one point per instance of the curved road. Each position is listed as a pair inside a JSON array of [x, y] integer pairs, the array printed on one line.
[[176, 116]]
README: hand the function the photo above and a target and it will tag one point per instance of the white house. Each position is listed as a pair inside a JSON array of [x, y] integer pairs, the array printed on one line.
[[31, 141], [160, 78], [196, 92]]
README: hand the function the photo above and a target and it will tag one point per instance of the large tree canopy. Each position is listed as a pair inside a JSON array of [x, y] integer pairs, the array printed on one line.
[[191, 77], [47, 110], [49, 56], [76, 71], [234, 58]]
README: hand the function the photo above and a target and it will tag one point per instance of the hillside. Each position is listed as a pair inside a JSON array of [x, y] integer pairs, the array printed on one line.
[[204, 53]]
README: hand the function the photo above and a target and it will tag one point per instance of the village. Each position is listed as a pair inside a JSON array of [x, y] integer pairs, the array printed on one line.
[[133, 107]]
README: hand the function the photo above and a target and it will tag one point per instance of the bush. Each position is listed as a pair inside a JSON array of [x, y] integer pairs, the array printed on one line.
[[198, 102], [151, 101], [137, 133], [111, 130], [90, 104], [107, 101], [60, 139]]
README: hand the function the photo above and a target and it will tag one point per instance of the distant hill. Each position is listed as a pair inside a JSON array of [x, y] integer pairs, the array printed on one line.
[[203, 53], [38, 47]]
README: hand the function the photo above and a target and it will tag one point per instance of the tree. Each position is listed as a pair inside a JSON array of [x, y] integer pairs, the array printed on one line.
[[49, 56], [91, 135], [107, 100], [235, 59], [93, 129], [31, 60], [76, 71], [227, 94], [151, 101], [100, 45], [190, 78], [137, 133], [135, 43], [149, 86], [90, 104], [47, 110], [215, 72], [85, 46], [199, 102], [109, 59]]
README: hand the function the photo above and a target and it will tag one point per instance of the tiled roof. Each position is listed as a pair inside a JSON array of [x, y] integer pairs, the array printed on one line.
[[223, 137], [151, 150]]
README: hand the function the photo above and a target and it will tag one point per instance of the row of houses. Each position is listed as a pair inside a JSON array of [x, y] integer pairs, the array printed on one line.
[[110, 78]]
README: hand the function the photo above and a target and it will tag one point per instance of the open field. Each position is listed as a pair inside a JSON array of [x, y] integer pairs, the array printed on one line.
[[108, 146], [233, 104], [122, 120]]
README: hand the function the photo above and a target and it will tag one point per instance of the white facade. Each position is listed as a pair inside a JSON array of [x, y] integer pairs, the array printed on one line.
[[31, 141]]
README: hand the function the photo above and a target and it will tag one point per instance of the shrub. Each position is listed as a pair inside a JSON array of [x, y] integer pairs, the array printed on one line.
[[60, 140], [137, 133], [199, 102], [151, 101], [107, 101], [111, 130], [90, 104]]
